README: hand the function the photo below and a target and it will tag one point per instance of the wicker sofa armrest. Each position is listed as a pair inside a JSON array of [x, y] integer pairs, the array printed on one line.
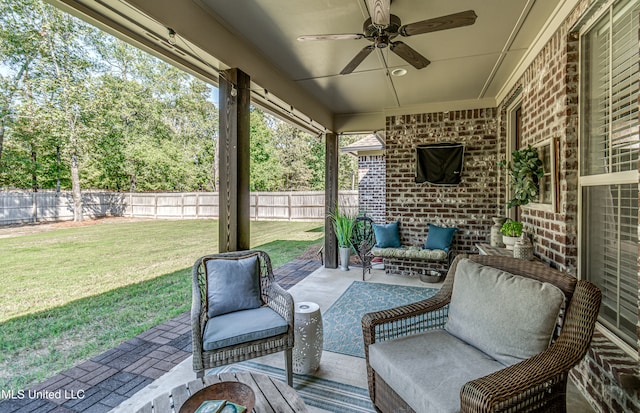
[[405, 320], [412, 318], [522, 385], [541, 378]]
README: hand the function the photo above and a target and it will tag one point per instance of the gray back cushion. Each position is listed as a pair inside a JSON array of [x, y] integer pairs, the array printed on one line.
[[232, 285], [508, 317]]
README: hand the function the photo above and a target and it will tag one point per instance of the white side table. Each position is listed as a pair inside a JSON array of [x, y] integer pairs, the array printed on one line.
[[307, 327]]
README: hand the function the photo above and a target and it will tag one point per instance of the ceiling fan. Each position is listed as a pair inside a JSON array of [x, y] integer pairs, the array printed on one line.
[[382, 27]]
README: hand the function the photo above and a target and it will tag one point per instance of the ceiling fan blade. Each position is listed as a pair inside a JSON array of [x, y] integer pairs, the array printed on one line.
[[380, 11], [412, 57], [346, 36], [350, 67], [451, 21]]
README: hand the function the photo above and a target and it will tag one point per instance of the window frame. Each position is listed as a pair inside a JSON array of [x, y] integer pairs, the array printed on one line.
[[631, 177], [552, 175]]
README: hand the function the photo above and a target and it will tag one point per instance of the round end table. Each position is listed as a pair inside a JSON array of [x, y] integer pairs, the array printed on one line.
[[307, 327]]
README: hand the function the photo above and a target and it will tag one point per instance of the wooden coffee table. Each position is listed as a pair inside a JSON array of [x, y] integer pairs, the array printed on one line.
[[272, 396]]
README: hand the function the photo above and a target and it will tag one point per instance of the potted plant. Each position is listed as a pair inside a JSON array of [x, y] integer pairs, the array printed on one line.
[[511, 231], [525, 169], [343, 227]]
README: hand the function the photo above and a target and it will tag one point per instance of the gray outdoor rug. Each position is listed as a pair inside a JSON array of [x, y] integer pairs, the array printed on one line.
[[342, 321]]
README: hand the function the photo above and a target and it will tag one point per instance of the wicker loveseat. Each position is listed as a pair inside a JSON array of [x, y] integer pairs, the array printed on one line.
[[422, 357]]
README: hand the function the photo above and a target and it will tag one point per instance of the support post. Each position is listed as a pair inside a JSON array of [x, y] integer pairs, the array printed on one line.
[[330, 199], [233, 154]]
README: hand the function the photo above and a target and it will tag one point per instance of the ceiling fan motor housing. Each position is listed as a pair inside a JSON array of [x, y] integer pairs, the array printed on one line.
[[371, 31]]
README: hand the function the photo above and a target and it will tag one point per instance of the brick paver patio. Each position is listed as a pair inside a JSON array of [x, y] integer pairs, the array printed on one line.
[[106, 380]]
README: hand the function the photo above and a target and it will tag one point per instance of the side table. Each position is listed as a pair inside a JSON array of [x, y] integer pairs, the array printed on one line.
[[307, 327], [487, 249]]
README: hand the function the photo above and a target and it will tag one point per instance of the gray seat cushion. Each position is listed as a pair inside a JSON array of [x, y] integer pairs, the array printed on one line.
[[428, 370], [509, 317], [410, 252], [241, 327]]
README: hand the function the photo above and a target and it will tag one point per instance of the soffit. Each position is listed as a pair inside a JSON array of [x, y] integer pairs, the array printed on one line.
[[469, 67]]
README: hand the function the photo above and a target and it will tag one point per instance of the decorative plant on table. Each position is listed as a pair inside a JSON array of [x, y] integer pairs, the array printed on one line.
[[511, 231], [525, 170], [343, 227]]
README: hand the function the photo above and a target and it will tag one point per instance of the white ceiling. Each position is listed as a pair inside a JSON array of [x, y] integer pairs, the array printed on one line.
[[469, 67], [467, 63]]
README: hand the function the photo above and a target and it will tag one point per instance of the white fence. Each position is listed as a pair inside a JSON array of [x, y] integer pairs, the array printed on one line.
[[24, 207]]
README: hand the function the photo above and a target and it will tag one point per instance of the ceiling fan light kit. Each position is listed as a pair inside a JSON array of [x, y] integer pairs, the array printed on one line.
[[383, 27]]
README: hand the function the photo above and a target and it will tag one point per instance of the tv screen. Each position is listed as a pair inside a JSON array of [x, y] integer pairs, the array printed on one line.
[[439, 163]]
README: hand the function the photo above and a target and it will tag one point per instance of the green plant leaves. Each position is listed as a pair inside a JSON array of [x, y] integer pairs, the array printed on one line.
[[525, 170], [343, 226]]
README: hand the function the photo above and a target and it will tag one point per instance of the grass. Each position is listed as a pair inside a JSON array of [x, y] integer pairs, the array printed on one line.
[[69, 294]]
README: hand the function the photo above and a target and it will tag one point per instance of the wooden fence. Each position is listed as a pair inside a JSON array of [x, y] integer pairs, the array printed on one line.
[[24, 207]]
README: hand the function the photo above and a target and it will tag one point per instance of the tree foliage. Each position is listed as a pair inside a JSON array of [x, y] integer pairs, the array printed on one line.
[[82, 109]]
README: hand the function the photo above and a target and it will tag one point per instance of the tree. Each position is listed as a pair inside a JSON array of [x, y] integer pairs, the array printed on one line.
[[82, 109], [21, 46], [348, 164], [266, 171], [293, 151], [67, 89]]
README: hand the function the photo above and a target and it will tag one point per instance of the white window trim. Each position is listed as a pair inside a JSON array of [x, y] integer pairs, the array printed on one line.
[[617, 178], [621, 344], [511, 137]]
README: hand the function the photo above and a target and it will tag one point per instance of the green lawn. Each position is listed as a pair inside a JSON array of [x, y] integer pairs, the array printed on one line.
[[69, 294]]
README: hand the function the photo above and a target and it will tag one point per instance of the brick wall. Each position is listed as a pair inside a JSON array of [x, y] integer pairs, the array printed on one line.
[[549, 89], [469, 205], [600, 374], [371, 186], [549, 93]]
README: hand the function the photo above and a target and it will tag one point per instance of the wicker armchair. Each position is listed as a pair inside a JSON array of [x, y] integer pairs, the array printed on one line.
[[537, 384], [272, 296]]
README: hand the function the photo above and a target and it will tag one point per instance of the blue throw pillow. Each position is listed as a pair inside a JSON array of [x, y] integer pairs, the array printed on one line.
[[387, 235], [232, 285], [439, 238]]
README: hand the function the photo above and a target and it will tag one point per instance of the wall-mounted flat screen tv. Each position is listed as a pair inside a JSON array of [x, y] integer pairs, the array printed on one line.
[[439, 163]]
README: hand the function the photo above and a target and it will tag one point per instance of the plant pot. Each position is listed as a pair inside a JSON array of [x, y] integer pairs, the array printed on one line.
[[509, 242], [523, 248], [345, 256], [431, 277], [496, 236]]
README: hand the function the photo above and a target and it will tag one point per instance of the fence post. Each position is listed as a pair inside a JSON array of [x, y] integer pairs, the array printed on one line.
[[34, 206], [257, 209], [289, 199]]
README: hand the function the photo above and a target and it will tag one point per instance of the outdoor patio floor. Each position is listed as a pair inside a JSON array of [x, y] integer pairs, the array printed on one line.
[[125, 378]]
